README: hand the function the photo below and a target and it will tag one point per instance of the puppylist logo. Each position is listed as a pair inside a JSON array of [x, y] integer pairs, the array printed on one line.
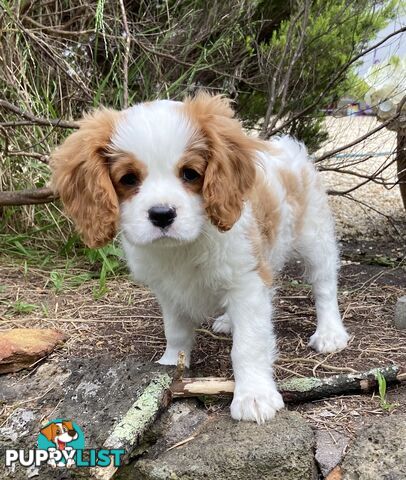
[[61, 443]]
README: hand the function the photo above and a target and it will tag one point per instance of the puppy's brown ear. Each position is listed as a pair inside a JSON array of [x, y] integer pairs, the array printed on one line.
[[49, 432], [230, 172], [81, 177]]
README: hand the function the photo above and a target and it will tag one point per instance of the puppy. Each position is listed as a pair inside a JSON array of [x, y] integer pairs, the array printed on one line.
[[207, 216]]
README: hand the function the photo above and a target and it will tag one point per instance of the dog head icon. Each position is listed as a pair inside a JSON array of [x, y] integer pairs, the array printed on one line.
[[60, 433]]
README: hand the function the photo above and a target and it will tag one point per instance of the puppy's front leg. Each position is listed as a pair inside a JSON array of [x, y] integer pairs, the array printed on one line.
[[255, 397], [179, 333]]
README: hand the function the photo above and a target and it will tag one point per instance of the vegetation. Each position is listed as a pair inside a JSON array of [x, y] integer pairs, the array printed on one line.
[[280, 61]]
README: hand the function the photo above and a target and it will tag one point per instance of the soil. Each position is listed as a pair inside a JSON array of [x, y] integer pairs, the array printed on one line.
[[127, 321]]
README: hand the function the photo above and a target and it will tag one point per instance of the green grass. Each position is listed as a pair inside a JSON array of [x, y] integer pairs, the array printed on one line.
[[68, 263], [383, 402], [20, 307]]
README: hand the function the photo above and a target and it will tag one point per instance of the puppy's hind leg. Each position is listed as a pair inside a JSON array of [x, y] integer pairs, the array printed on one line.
[[179, 333], [319, 250]]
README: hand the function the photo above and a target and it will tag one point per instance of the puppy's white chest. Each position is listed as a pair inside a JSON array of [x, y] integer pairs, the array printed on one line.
[[194, 286]]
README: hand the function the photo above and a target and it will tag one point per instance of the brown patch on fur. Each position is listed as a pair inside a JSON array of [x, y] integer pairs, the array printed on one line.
[[81, 177], [296, 186], [258, 250], [265, 207], [123, 164], [194, 158], [230, 172]]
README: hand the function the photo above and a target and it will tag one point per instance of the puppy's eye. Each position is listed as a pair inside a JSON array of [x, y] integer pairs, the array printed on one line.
[[129, 179], [190, 175]]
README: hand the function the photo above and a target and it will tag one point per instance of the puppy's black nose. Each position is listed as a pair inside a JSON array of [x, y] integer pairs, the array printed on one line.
[[161, 216]]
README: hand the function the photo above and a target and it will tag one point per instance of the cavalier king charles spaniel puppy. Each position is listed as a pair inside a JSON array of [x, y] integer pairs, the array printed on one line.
[[207, 216]]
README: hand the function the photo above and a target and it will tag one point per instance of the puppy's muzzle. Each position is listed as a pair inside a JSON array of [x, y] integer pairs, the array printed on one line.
[[161, 215]]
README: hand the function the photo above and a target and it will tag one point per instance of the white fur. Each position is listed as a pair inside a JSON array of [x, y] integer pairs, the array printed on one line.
[[198, 272]]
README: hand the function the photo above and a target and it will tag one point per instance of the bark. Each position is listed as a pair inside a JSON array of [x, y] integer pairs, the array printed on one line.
[[295, 389], [27, 197], [401, 164], [128, 433]]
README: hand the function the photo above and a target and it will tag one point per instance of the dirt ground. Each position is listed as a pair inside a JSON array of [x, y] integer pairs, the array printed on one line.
[[127, 318]]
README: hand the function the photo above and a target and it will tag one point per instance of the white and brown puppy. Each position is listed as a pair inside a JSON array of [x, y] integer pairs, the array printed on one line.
[[207, 216]]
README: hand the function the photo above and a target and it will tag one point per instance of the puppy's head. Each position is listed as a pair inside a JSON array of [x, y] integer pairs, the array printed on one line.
[[160, 170]]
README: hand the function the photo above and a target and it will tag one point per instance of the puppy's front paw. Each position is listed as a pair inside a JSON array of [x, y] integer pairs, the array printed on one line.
[[222, 324], [256, 404], [170, 357], [329, 341]]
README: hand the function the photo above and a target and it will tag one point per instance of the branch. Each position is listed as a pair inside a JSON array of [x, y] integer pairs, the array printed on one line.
[[301, 389], [126, 53], [38, 156], [276, 74], [57, 122], [27, 197], [366, 205], [130, 430], [333, 81], [364, 137]]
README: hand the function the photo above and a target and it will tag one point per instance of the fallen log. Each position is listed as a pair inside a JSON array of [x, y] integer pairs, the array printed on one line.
[[295, 390]]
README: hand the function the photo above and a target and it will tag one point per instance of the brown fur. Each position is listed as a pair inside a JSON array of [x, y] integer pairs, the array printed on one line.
[[262, 267], [296, 186], [81, 177], [121, 164], [230, 172], [194, 158], [265, 207]]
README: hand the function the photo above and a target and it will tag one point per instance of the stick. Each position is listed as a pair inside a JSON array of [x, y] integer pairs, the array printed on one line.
[[128, 433], [57, 122], [295, 389], [27, 197], [130, 430]]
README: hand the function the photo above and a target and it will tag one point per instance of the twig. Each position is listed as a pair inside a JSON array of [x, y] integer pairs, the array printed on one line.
[[295, 389], [27, 197], [182, 442], [180, 366], [126, 53], [127, 434], [38, 156], [363, 137], [37, 120], [332, 82]]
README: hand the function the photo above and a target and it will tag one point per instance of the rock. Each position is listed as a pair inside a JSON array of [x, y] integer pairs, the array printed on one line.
[[400, 313], [95, 393], [330, 447], [21, 347], [223, 449], [181, 421], [378, 452]]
